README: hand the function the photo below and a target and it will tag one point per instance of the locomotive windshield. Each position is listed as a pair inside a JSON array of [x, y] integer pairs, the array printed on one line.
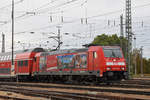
[[112, 52]]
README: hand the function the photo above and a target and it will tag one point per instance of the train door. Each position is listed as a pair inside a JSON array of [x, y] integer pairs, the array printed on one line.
[[91, 61], [31, 66], [34, 69]]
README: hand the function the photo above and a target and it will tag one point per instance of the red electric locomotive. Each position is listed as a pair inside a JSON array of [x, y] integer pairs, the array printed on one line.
[[95, 63]]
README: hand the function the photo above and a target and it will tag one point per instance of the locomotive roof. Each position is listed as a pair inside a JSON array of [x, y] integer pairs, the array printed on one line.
[[110, 47], [23, 51], [64, 51]]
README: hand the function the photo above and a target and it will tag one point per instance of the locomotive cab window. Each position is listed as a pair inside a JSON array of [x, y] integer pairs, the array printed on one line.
[[94, 54], [112, 52]]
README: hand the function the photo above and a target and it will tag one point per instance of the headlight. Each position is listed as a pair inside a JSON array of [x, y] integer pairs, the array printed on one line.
[[108, 68], [122, 68]]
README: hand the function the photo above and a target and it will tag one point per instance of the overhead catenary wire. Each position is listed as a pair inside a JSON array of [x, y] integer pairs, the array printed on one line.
[[9, 5], [48, 26], [27, 15], [113, 12]]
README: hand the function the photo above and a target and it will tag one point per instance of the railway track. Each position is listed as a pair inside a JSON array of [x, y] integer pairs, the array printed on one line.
[[5, 95], [123, 84], [11, 98], [136, 81], [57, 95], [92, 89], [65, 92]]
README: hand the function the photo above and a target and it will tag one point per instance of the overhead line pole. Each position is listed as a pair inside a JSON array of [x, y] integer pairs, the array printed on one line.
[[135, 56], [141, 49], [3, 43], [12, 31], [58, 37], [129, 33], [121, 31], [12, 62]]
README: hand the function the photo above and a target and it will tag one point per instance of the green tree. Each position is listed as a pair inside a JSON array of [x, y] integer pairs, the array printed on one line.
[[110, 40]]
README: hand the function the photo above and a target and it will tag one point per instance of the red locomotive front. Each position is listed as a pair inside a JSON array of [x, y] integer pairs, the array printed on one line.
[[109, 60], [115, 65]]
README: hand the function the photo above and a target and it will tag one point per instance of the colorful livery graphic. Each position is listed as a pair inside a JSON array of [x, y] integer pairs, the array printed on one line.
[[96, 63], [72, 61]]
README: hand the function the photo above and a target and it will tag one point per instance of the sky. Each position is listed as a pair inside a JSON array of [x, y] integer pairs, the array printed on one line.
[[33, 24]]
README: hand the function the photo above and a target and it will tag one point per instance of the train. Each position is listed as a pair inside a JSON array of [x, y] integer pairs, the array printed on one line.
[[91, 64]]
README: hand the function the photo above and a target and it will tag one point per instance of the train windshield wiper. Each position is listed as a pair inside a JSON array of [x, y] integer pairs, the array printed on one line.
[[113, 54]]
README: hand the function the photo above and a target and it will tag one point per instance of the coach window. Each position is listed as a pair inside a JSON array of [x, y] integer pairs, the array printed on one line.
[[26, 63], [21, 63], [18, 63]]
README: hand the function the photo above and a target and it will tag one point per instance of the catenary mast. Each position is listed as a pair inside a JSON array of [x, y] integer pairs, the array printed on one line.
[[129, 33]]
